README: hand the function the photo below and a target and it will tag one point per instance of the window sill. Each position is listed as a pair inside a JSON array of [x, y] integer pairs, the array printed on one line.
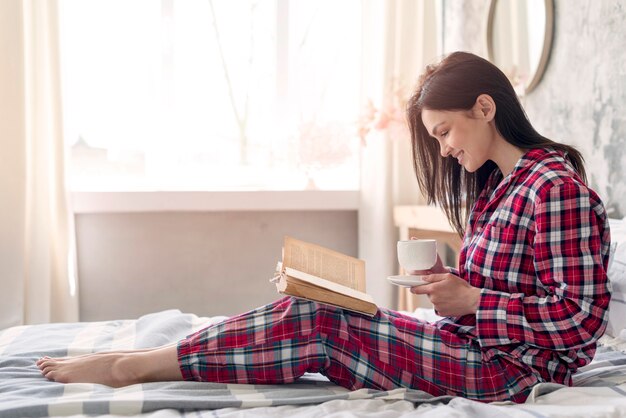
[[118, 202]]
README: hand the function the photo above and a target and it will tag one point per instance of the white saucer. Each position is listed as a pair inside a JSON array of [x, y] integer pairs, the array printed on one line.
[[407, 280]]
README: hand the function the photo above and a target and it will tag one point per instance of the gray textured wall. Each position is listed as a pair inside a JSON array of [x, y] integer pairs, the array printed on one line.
[[581, 99]]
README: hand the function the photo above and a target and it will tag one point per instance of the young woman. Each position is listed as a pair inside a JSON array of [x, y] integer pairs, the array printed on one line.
[[526, 304]]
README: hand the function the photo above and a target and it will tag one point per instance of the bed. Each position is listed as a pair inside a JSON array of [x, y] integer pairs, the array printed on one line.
[[599, 388]]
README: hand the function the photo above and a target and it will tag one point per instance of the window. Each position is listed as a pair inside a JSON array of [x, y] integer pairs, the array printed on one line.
[[211, 94]]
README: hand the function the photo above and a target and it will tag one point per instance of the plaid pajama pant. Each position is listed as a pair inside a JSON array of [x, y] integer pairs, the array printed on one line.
[[279, 342]]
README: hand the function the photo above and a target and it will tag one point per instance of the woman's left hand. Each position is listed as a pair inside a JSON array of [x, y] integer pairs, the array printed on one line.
[[449, 294]]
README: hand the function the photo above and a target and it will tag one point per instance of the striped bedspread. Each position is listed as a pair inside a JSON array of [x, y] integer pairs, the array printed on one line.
[[25, 393]]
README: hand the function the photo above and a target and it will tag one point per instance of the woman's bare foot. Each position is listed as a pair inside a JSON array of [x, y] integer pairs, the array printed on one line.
[[125, 351], [114, 369]]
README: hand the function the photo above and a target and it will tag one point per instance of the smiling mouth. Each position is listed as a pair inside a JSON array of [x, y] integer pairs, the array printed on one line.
[[459, 157]]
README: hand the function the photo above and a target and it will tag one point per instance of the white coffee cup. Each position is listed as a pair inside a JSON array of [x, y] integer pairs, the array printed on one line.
[[417, 254]]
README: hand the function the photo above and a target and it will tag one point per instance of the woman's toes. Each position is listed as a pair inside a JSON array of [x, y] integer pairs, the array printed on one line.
[[46, 369], [44, 361], [43, 364]]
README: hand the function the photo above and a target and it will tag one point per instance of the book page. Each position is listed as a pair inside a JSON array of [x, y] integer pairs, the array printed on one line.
[[304, 290], [301, 278], [324, 263]]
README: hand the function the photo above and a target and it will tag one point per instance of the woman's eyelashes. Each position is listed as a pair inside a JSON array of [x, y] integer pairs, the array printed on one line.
[[440, 136]]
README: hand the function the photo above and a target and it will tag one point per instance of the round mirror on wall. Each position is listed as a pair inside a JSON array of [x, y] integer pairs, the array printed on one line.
[[519, 38]]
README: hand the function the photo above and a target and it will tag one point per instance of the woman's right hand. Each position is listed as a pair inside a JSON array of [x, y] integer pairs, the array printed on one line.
[[438, 268]]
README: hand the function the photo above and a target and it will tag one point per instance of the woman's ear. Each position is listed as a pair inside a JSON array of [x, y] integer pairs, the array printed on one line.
[[485, 107]]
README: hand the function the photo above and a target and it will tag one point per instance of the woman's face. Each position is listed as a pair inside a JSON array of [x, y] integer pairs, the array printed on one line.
[[465, 135]]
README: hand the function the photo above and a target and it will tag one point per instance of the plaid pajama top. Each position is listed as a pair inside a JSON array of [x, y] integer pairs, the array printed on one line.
[[537, 244]]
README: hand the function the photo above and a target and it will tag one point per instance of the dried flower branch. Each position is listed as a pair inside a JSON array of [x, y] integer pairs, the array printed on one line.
[[390, 117]]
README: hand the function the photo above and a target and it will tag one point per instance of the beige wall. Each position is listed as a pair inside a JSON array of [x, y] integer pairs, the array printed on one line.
[[207, 263]]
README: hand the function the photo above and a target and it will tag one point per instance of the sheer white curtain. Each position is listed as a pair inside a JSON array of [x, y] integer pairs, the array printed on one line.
[[37, 280], [397, 49]]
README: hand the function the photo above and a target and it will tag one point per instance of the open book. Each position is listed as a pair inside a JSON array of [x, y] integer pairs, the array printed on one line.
[[316, 273]]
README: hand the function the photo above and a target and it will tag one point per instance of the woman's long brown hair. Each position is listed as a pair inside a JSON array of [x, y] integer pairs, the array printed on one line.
[[454, 84]]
